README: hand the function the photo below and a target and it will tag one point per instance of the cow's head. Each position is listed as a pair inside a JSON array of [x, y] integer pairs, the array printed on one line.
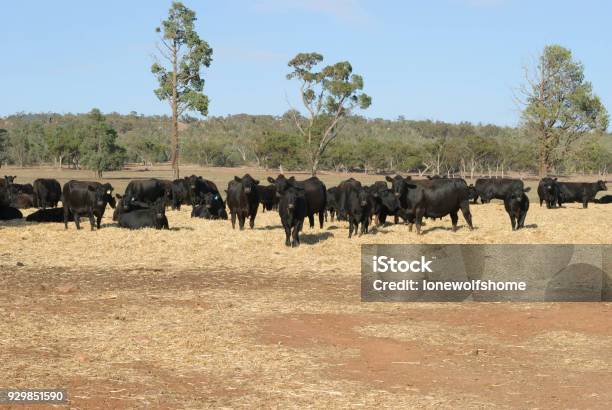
[[291, 194], [389, 200], [9, 179], [362, 195], [472, 193], [248, 183], [102, 194], [518, 194], [398, 184], [209, 200], [601, 185], [282, 183]]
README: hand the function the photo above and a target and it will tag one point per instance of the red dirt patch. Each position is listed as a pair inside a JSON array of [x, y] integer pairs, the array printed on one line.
[[502, 373]]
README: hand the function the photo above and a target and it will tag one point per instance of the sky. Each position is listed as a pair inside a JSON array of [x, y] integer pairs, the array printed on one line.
[[447, 60]]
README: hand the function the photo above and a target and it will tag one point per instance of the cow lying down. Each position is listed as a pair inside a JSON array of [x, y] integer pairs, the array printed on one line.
[[152, 217], [49, 215]]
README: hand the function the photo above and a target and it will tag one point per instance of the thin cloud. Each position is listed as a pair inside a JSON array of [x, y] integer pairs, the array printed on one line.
[[348, 11]]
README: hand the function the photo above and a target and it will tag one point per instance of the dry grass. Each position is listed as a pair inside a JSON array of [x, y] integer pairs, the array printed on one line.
[[194, 243]]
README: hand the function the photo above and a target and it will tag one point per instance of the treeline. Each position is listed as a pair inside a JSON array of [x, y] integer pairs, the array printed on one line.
[[101, 143]]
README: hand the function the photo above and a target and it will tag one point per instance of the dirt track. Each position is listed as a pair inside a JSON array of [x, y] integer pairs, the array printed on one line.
[[142, 338]]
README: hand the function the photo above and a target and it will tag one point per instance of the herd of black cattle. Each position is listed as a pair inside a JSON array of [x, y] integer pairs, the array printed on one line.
[[144, 202]]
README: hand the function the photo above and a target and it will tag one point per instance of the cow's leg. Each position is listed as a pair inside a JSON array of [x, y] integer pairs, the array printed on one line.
[[287, 234], [233, 213], [513, 221], [66, 215], [521, 219], [585, 203], [454, 219], [321, 217], [332, 213], [92, 220], [467, 215], [396, 219], [418, 219], [252, 221], [295, 241], [77, 221], [241, 219], [350, 227], [311, 220]]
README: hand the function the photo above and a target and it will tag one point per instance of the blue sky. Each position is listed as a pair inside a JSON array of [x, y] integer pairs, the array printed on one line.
[[448, 60]]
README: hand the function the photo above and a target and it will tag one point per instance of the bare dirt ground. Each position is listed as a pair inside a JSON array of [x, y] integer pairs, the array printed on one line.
[[202, 316]]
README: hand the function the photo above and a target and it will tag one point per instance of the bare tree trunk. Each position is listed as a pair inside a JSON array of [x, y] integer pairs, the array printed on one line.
[[175, 137]]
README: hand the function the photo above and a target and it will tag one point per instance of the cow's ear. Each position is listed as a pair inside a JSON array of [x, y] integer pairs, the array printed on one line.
[[554, 179], [271, 180], [91, 188], [408, 178], [388, 178], [237, 179], [256, 181], [118, 196], [527, 189], [225, 191], [292, 179], [471, 186]]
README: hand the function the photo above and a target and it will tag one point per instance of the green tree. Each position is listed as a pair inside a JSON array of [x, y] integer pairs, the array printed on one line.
[[560, 106], [99, 147], [181, 84], [4, 156], [329, 96]]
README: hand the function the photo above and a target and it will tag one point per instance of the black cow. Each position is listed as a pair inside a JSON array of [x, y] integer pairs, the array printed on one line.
[[358, 209], [399, 186], [8, 212], [212, 207], [292, 209], [7, 181], [20, 200], [332, 202], [48, 215], [437, 198], [517, 205], [344, 188], [315, 194], [580, 191], [5, 196], [606, 199], [198, 187], [384, 202], [123, 206], [243, 200], [496, 188], [153, 217], [47, 193], [147, 191], [267, 197], [81, 198], [180, 193], [548, 191]]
